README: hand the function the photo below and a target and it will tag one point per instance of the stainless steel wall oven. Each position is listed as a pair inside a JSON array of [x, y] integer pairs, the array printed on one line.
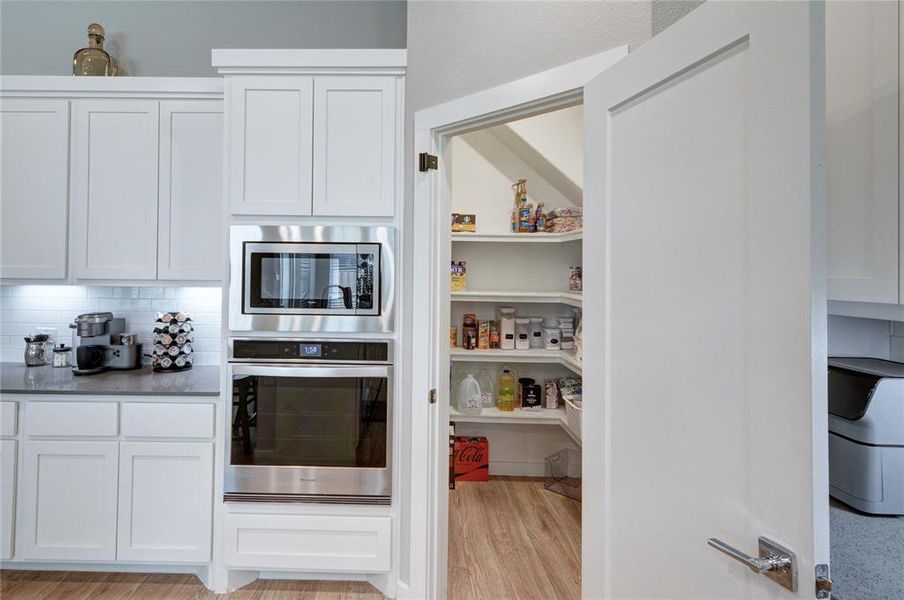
[[302, 279], [311, 421]]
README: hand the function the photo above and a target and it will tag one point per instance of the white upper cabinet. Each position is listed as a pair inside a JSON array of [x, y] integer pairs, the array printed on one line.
[[269, 144], [114, 188], [862, 155], [355, 144], [34, 188], [191, 215]]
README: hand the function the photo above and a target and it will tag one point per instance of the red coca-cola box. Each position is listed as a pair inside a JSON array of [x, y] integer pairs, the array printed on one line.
[[472, 459]]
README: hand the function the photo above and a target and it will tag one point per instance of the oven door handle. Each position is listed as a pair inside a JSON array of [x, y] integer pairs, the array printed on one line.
[[333, 371]]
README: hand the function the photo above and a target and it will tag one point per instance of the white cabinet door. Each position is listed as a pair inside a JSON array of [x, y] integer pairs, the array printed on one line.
[[862, 151], [703, 162], [68, 509], [191, 222], [34, 188], [355, 145], [269, 144], [7, 496], [165, 501], [114, 188]]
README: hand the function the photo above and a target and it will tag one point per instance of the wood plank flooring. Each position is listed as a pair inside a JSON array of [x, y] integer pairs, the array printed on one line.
[[46, 585], [511, 539]]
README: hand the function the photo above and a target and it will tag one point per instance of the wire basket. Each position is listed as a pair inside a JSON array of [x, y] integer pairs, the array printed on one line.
[[573, 418], [563, 473]]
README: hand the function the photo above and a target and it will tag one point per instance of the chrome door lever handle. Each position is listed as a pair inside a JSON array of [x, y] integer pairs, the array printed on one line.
[[774, 561]]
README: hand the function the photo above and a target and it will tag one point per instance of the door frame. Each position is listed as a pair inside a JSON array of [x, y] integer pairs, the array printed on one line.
[[427, 496]]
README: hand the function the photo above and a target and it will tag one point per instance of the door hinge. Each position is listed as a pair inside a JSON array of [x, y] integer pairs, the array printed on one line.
[[823, 583], [431, 397], [426, 162]]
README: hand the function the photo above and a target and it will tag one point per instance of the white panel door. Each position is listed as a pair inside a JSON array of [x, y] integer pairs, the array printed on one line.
[[68, 509], [7, 496], [704, 351], [34, 188], [191, 217], [862, 150], [165, 501], [114, 188], [355, 145], [270, 122]]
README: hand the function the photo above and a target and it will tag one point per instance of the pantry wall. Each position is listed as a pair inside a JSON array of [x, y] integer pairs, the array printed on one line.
[[533, 278]]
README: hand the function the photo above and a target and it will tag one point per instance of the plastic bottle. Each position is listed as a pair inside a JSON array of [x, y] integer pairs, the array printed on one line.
[[505, 391], [487, 388], [470, 401]]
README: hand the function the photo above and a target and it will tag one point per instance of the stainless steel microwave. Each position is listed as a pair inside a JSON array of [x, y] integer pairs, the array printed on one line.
[[311, 279]]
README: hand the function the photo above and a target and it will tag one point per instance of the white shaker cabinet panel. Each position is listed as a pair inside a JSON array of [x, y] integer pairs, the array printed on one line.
[[191, 221], [34, 188], [269, 144], [165, 501], [68, 509], [355, 145], [7, 496], [862, 151], [114, 188]]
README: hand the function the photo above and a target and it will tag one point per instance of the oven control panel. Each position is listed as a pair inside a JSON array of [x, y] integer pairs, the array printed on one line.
[[309, 350]]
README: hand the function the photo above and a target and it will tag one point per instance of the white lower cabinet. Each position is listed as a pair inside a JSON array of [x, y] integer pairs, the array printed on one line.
[[307, 542], [165, 501], [7, 496], [68, 508]]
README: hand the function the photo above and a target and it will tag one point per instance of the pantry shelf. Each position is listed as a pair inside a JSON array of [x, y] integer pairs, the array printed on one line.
[[543, 416], [516, 356], [568, 298], [570, 236]]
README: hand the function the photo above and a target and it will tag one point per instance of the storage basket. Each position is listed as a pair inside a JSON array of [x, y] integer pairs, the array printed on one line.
[[573, 418], [563, 473]]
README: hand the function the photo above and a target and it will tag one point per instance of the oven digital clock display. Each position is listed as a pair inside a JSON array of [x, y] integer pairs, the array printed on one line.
[[310, 350]]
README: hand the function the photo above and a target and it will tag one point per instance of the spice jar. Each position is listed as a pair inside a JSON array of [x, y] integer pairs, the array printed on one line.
[[61, 356], [522, 333]]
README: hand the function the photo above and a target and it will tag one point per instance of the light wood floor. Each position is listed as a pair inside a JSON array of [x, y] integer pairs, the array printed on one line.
[[46, 585], [511, 539]]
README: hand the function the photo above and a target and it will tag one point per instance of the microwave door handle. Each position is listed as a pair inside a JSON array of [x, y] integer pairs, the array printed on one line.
[[336, 371]]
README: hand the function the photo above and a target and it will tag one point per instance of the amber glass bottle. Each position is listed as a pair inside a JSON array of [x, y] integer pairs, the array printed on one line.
[[94, 60]]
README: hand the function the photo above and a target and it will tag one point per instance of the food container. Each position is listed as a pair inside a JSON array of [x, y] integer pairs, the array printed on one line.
[[506, 327], [563, 473], [453, 336], [551, 338], [61, 356], [536, 332], [522, 333], [575, 278]]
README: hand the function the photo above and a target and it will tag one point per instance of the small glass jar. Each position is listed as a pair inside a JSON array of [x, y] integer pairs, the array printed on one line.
[[61, 356], [522, 333], [35, 354]]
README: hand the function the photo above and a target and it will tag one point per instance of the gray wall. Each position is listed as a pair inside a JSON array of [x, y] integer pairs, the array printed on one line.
[[174, 37], [666, 12]]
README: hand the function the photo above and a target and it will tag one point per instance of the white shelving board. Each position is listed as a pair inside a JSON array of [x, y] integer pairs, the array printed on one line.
[[543, 416], [540, 356], [568, 298], [571, 236]]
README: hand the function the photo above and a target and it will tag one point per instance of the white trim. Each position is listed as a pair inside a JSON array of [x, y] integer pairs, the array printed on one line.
[[867, 310], [509, 238], [567, 298], [556, 88], [269, 61], [114, 87]]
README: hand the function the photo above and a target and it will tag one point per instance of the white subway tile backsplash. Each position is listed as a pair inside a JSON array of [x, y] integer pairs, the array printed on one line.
[[26, 308]]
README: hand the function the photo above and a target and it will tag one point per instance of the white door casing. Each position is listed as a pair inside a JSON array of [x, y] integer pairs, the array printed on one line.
[[34, 161], [68, 508], [191, 190], [114, 188], [8, 464], [704, 350], [269, 144]]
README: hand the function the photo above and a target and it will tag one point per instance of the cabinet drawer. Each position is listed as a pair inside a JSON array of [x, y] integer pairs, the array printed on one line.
[[308, 542], [171, 420], [72, 419], [9, 413]]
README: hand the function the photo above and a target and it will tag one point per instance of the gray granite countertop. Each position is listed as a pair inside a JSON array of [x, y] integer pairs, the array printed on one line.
[[199, 381]]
